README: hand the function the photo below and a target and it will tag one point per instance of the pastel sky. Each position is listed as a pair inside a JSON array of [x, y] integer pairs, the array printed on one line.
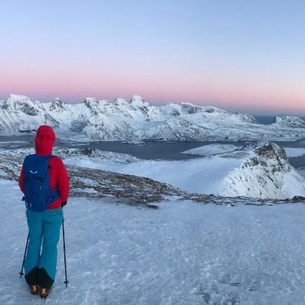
[[239, 55]]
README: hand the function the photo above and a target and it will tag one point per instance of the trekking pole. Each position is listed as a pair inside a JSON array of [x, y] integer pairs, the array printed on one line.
[[64, 245], [24, 255]]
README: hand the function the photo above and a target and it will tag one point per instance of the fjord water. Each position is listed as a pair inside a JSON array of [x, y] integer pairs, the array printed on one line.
[[149, 150]]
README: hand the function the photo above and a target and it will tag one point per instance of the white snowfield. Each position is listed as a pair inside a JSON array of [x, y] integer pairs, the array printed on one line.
[[181, 254], [225, 171]]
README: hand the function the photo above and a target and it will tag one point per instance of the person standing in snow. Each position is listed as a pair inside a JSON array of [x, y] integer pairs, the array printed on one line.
[[44, 226]]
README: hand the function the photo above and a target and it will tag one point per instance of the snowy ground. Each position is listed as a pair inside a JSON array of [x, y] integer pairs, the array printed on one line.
[[183, 253]]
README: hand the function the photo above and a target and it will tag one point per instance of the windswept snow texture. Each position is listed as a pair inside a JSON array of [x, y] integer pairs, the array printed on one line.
[[182, 253]]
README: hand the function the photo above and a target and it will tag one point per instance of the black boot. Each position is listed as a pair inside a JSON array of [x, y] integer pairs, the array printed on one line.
[[44, 292], [34, 289]]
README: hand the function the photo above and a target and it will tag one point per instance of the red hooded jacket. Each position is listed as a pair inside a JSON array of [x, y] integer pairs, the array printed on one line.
[[44, 141]]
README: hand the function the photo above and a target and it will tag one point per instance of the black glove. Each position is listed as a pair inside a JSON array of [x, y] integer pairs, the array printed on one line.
[[63, 204]]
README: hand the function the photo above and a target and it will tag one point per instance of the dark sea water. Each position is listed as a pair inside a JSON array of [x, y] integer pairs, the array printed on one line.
[[268, 119], [146, 151], [173, 151], [265, 119], [155, 150]]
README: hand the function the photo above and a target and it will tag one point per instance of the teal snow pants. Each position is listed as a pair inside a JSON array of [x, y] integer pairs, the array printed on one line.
[[41, 258]]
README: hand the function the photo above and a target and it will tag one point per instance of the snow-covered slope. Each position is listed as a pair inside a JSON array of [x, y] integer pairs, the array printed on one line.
[[138, 120], [266, 173], [290, 121], [183, 253], [261, 172]]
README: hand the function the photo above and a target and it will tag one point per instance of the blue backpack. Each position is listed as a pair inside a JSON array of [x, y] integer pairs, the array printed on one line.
[[37, 192]]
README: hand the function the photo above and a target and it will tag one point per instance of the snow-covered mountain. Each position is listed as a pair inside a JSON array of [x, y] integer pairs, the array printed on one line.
[[261, 172], [266, 173], [138, 120]]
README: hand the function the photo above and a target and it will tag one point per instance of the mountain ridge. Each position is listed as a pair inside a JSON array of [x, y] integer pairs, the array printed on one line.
[[138, 120]]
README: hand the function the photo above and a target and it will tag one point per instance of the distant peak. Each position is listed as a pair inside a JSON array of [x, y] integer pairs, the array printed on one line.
[[57, 103], [18, 97], [137, 97], [290, 121], [139, 101], [90, 99]]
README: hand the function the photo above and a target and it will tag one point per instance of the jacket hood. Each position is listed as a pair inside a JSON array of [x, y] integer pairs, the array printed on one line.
[[44, 140]]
